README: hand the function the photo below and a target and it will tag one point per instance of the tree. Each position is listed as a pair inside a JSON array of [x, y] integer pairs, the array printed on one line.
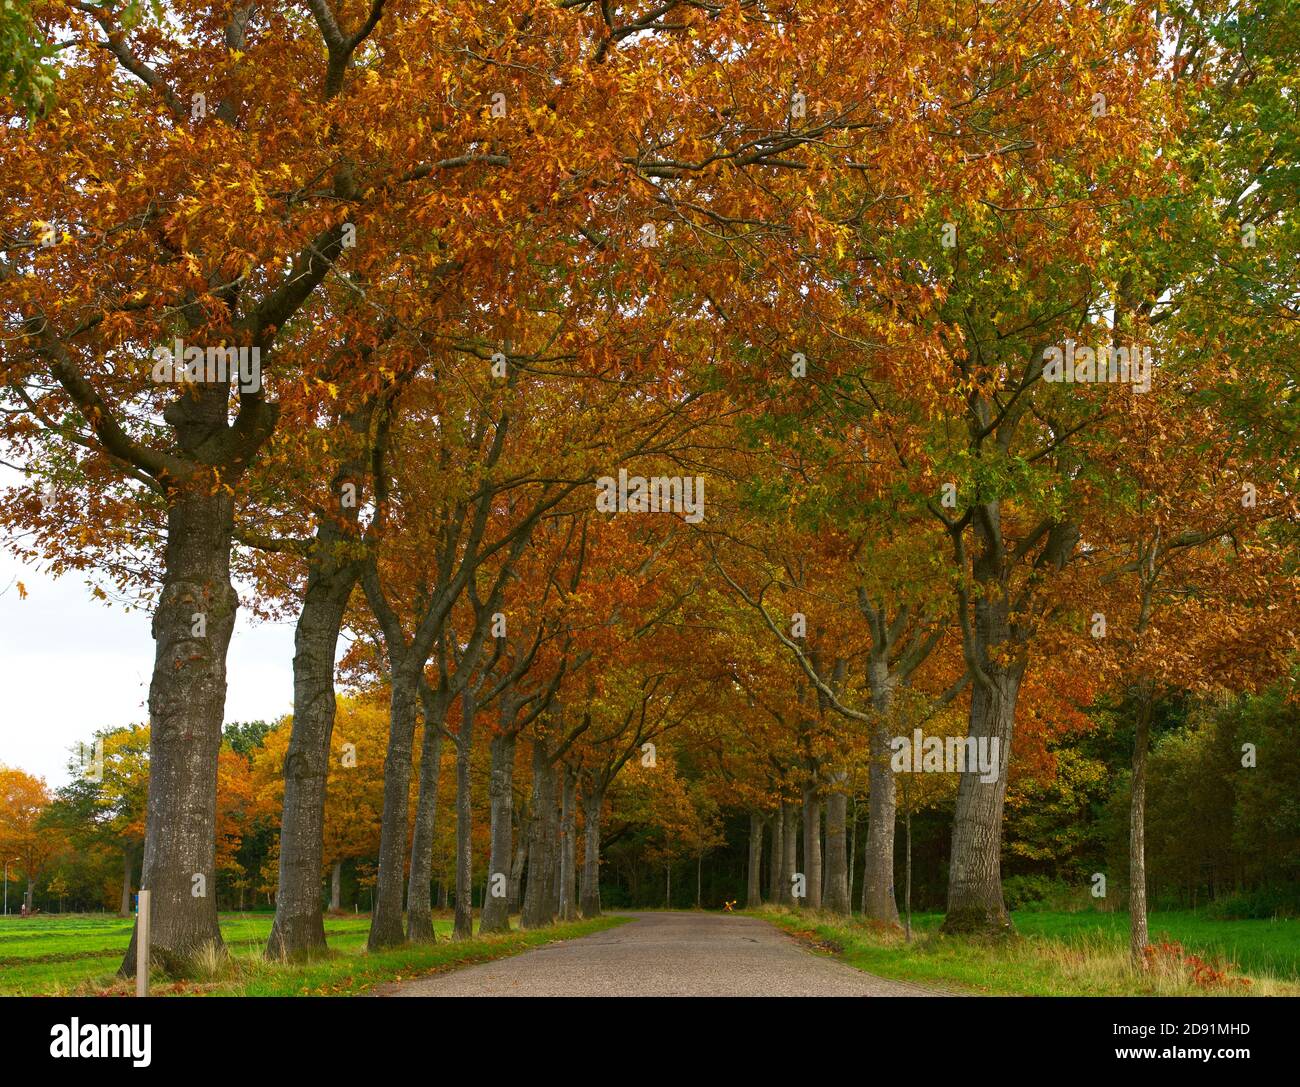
[[23, 801], [179, 253]]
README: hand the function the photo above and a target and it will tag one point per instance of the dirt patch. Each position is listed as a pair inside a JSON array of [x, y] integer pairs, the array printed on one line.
[[815, 941]]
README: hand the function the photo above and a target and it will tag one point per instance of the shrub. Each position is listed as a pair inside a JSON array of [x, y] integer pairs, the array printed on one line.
[[1263, 904], [1167, 958], [1038, 893]]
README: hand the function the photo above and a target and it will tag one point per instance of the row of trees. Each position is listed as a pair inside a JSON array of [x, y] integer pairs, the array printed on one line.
[[80, 847], [828, 268], [677, 832]]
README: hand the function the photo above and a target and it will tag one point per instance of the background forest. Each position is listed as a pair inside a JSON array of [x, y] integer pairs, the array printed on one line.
[[1241, 860]]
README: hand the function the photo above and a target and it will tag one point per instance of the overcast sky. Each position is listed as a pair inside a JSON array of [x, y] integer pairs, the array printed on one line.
[[70, 664]]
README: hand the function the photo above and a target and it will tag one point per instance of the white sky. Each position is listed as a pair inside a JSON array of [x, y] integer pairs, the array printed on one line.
[[70, 664]]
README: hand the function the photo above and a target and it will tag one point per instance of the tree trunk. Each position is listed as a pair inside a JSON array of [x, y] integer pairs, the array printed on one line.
[[419, 885], [699, 880], [992, 645], [386, 919], [125, 907], [592, 803], [1137, 862], [336, 886], [975, 903], [878, 901], [550, 853], [777, 883], [538, 908], [853, 845], [192, 624], [298, 931], [753, 890], [568, 909], [464, 925], [790, 841], [812, 847], [517, 866], [496, 907], [837, 855], [907, 875]]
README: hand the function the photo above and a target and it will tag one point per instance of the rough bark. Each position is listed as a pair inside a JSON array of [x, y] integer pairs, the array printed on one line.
[[994, 647], [386, 920], [419, 885], [538, 908], [298, 931], [836, 897], [593, 802], [495, 916], [812, 847], [975, 903], [753, 890], [187, 697], [464, 924], [777, 883], [568, 874], [878, 899], [790, 843], [519, 863]]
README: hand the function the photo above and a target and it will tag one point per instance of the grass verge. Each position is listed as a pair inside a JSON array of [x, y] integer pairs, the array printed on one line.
[[53, 960], [1065, 961]]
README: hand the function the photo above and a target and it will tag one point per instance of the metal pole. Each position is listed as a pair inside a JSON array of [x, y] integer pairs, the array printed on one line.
[[142, 945]]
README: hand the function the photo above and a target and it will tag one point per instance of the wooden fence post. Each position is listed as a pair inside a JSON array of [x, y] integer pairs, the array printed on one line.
[[142, 945]]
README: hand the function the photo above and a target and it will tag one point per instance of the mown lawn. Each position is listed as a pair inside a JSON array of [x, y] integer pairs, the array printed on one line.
[[1057, 954], [81, 954]]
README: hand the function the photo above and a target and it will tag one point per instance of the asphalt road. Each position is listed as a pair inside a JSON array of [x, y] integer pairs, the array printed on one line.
[[665, 954]]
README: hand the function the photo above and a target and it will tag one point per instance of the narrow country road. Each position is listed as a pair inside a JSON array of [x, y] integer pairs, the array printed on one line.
[[664, 954]]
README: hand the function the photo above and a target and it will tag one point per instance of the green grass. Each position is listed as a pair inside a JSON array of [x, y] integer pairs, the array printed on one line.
[[1266, 947], [81, 954], [1055, 954]]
